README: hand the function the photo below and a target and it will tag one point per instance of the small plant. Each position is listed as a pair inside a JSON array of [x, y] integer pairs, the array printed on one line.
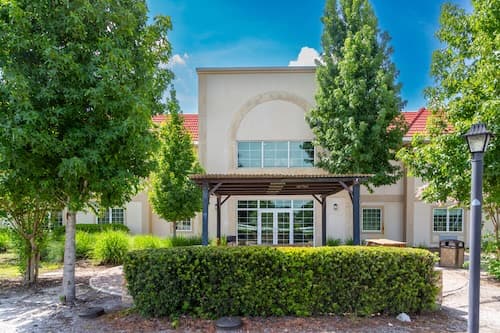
[[219, 242], [53, 251], [84, 244], [333, 242], [5, 241], [185, 241], [141, 242], [111, 247], [349, 241], [494, 268]]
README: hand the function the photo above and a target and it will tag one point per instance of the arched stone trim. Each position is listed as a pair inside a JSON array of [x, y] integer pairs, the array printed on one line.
[[251, 104]]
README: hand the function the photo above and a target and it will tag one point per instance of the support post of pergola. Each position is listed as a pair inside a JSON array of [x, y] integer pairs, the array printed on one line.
[[206, 198], [323, 220], [218, 217], [356, 233]]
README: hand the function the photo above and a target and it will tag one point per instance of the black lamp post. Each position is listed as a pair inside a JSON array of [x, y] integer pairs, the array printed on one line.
[[477, 140]]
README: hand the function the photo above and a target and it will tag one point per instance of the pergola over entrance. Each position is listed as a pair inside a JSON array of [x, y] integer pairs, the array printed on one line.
[[223, 186]]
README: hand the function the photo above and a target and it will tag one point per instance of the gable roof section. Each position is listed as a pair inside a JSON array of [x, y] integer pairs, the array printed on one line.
[[416, 121], [190, 123]]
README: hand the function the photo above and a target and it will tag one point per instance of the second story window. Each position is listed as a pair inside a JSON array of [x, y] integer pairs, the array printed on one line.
[[275, 154]]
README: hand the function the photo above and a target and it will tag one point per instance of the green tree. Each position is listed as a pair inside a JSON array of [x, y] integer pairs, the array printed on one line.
[[27, 215], [357, 120], [173, 195], [79, 83], [466, 70]]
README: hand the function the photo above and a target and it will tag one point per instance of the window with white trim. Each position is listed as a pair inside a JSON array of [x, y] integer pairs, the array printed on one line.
[[185, 225], [447, 219], [372, 219], [275, 154], [112, 215]]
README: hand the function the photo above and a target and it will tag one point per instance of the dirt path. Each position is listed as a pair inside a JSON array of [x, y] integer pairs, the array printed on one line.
[[23, 310]]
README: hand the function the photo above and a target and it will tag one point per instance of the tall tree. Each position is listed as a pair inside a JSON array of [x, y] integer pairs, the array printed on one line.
[[357, 120], [466, 90], [174, 196], [80, 81]]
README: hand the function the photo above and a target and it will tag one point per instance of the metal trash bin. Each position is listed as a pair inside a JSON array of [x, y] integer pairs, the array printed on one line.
[[451, 253]]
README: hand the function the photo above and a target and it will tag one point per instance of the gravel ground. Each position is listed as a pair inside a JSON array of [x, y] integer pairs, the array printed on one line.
[[39, 310]]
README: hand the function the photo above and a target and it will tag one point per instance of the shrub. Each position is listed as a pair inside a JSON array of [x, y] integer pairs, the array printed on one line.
[[494, 268], [5, 241], [349, 241], [111, 247], [333, 242], [265, 281], [53, 251], [85, 243], [185, 241], [92, 228], [489, 243], [141, 242]]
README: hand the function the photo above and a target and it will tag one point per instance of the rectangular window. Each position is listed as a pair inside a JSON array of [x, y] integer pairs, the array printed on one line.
[[112, 215], [183, 225], [447, 219], [249, 154], [275, 154], [275, 222], [372, 219]]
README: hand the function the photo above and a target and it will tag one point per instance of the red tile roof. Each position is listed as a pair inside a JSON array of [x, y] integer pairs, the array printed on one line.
[[190, 122], [416, 121]]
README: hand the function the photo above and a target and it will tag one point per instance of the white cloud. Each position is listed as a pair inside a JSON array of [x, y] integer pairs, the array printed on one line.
[[178, 59], [307, 57]]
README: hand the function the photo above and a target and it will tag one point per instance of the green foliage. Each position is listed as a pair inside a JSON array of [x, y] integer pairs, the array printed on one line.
[[265, 281], [53, 252], [494, 268], [185, 241], [333, 242], [174, 196], [141, 242], [357, 118], [79, 83], [5, 241], [465, 92], [92, 228], [111, 247], [85, 244], [349, 241], [489, 243]]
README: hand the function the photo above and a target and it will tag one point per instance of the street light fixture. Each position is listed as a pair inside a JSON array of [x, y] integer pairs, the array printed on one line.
[[477, 140]]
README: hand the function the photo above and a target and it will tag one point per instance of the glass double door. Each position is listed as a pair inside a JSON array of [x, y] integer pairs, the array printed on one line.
[[274, 227]]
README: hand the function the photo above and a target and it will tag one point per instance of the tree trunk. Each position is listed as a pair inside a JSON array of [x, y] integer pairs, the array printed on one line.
[[174, 232], [69, 260], [32, 261]]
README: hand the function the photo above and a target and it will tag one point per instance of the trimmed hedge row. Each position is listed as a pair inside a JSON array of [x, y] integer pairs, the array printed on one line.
[[93, 228], [264, 281]]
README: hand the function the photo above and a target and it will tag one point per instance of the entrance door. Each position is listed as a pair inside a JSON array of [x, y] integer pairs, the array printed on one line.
[[274, 227]]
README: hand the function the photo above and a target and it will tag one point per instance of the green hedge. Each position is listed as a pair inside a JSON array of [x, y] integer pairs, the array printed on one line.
[[263, 281], [93, 228]]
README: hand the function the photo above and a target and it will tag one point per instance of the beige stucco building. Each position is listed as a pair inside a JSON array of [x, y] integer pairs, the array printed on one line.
[[252, 121]]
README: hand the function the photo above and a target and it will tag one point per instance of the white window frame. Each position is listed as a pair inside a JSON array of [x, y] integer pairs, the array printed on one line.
[[110, 216], [381, 228], [262, 142], [177, 224], [447, 231], [290, 210]]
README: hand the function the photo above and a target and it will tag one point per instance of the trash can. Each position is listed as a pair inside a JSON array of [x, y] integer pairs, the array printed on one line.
[[451, 253]]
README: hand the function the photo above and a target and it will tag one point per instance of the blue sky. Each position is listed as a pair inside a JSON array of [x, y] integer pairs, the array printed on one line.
[[245, 33]]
